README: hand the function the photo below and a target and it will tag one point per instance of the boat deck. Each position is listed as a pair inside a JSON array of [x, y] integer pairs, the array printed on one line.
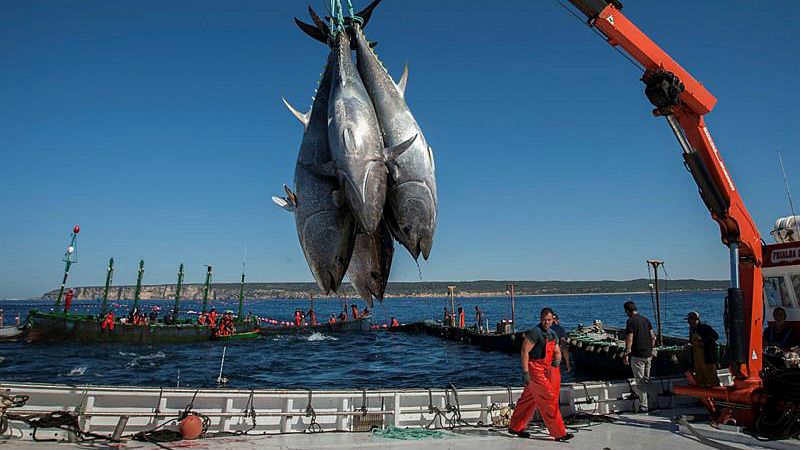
[[629, 431]]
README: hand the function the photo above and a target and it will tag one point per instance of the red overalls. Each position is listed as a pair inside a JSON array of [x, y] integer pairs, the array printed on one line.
[[541, 392], [108, 322]]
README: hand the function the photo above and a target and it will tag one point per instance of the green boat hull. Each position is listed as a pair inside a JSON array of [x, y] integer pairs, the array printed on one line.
[[48, 327], [238, 336]]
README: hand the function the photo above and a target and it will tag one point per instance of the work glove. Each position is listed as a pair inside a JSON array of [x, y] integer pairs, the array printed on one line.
[[526, 378]]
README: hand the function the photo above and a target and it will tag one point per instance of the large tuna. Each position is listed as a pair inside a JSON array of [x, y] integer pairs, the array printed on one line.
[[412, 202], [325, 226], [355, 141], [371, 263]]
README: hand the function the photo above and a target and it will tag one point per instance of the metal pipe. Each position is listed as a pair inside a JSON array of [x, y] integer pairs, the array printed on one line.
[[138, 291], [178, 293], [734, 253], [678, 131]]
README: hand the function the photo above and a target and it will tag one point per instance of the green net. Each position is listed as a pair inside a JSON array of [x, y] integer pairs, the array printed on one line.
[[407, 433]]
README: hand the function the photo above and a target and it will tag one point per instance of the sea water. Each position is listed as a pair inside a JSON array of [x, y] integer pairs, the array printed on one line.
[[328, 361]]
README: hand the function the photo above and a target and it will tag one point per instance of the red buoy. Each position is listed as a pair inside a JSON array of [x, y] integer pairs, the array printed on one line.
[[191, 427], [76, 230]]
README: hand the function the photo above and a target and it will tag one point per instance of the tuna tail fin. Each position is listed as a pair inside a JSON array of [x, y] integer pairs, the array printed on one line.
[[283, 203], [401, 85], [303, 118], [391, 153], [314, 32]]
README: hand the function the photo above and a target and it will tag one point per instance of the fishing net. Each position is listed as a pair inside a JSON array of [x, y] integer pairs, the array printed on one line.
[[408, 433]]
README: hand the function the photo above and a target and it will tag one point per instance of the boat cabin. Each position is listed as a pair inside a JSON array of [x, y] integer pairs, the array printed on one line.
[[781, 270]]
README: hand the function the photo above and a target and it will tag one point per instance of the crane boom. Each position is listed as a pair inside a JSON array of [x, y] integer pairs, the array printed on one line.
[[683, 102]]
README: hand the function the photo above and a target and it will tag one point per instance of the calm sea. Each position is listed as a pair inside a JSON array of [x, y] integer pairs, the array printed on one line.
[[356, 360]]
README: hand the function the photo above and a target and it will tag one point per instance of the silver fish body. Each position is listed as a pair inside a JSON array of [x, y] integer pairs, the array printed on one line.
[[371, 263], [412, 200], [325, 226], [355, 140]]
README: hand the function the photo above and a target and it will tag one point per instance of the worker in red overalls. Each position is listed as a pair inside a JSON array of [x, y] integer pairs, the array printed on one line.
[[212, 318], [108, 322], [68, 299], [540, 357], [354, 310], [394, 323], [460, 317]]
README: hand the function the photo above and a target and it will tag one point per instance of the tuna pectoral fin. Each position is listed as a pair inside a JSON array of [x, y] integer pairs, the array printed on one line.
[[401, 85], [283, 203], [327, 169], [390, 153], [303, 118], [290, 196]]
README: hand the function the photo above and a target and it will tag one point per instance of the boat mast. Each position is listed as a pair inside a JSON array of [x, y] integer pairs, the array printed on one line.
[[205, 289], [109, 276], [241, 294], [655, 263], [138, 291], [69, 259], [178, 293], [510, 289]]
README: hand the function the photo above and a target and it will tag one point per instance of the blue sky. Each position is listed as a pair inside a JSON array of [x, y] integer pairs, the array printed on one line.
[[158, 127]]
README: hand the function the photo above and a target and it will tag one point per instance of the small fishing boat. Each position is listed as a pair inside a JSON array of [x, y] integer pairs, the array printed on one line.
[[10, 332], [252, 334]]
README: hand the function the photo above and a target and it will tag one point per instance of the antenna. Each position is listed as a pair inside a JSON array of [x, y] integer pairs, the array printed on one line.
[[788, 192]]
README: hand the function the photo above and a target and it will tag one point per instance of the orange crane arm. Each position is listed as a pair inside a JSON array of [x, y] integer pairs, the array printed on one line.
[[683, 101]]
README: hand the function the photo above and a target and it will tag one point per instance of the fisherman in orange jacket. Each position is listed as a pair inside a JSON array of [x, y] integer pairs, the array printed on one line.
[[212, 318], [108, 322], [460, 317], [394, 323]]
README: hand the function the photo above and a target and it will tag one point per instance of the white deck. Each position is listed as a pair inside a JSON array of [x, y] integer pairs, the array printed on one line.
[[629, 432]]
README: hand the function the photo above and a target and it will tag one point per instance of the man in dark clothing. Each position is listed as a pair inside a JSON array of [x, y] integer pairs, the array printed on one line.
[[563, 342], [703, 340], [639, 342], [777, 334]]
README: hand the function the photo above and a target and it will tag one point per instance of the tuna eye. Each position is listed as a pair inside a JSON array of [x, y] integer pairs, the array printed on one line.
[[407, 229], [339, 259]]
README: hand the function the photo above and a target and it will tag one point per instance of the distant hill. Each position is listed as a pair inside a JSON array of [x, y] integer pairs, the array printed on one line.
[[479, 288]]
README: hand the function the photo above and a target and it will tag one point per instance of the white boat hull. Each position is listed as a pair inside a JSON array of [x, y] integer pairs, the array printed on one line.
[[122, 411]]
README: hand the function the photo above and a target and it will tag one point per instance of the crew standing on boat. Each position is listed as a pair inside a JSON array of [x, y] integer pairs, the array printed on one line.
[[212, 318], [68, 300], [563, 343], [332, 320], [312, 317], [777, 334], [354, 310], [539, 357], [703, 340], [446, 316], [108, 322], [364, 313], [639, 342], [394, 323], [479, 319], [460, 317]]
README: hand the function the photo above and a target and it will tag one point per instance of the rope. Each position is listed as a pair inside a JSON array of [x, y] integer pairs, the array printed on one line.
[[313, 426], [408, 434]]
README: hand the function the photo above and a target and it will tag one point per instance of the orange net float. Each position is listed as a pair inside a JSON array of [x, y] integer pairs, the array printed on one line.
[[191, 427]]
